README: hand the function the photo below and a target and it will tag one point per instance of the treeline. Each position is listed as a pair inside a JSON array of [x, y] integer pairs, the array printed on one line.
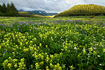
[[8, 10], [84, 10]]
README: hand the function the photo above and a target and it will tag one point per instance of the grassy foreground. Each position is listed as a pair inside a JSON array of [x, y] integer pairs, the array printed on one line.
[[76, 43]]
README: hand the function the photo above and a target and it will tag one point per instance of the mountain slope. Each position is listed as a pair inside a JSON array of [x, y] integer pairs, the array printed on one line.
[[28, 14], [83, 10]]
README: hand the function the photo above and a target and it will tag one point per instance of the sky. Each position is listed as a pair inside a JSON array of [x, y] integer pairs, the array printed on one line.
[[51, 6]]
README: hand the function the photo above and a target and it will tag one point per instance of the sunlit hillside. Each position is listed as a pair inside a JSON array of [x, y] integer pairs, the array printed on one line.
[[28, 14], [84, 10]]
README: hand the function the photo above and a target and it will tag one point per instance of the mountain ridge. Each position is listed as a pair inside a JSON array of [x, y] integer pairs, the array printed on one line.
[[39, 12]]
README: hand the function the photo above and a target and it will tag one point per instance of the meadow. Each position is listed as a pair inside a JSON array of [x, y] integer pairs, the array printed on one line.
[[64, 43]]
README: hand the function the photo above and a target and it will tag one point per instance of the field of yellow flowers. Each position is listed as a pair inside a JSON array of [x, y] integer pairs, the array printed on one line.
[[52, 44]]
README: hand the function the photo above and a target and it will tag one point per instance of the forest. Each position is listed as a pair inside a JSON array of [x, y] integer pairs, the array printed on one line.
[[8, 10]]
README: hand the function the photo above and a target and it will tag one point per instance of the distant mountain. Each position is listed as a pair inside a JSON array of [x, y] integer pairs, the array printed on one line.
[[39, 12], [20, 10], [84, 10]]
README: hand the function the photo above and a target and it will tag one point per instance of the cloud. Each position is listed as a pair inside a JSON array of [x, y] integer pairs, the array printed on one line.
[[50, 5], [101, 2]]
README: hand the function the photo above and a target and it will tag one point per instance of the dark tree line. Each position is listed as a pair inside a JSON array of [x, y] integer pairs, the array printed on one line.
[[8, 10]]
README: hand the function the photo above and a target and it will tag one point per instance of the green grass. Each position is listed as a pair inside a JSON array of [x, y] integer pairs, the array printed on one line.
[[85, 9], [63, 43]]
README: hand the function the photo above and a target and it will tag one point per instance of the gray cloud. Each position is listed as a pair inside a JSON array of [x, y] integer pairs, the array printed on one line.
[[98, 2], [50, 5]]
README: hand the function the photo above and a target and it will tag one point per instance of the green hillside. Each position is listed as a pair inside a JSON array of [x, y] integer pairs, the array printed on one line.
[[28, 14], [84, 10]]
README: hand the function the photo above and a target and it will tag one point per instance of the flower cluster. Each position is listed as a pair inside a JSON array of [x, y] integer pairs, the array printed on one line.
[[52, 44]]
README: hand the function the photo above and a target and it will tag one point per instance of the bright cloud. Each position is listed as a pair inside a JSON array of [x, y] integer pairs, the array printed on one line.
[[50, 5]]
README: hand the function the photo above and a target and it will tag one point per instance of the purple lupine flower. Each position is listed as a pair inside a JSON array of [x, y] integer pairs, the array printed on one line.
[[82, 32], [12, 23], [35, 23], [94, 48], [21, 24], [5, 51], [17, 25], [24, 22], [30, 21], [101, 26], [35, 28]]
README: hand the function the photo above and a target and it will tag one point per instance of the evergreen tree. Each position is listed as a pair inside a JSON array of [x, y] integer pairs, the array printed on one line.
[[8, 10], [9, 13], [1, 10], [4, 9], [13, 11]]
